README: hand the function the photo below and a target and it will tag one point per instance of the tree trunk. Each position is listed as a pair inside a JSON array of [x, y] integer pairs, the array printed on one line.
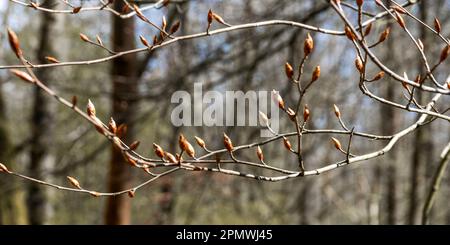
[[42, 126], [124, 82]]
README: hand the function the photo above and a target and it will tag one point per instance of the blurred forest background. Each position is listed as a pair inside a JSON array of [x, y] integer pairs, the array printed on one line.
[[41, 138]]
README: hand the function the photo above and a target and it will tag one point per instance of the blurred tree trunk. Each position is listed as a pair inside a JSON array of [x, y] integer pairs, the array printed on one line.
[[423, 146], [124, 105], [12, 206], [389, 122], [42, 125]]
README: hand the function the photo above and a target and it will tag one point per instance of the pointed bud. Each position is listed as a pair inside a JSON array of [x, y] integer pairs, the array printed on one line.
[[359, 64], [133, 146], [210, 16], [306, 113], [94, 193], [308, 45], [74, 182], [336, 143], [84, 37], [131, 193], [122, 130], [200, 142], [437, 25], [52, 59], [291, 113], [164, 23], [277, 98], [359, 2], [260, 154], [90, 109], [3, 168], [316, 74], [337, 112], [445, 52], [384, 35], [99, 40], [379, 76], [139, 13], [218, 18], [76, 10], [399, 9], [287, 144], [112, 126], [158, 150], [349, 34], [400, 19], [227, 142], [144, 41], [14, 42], [186, 146], [175, 27], [22, 75], [288, 70], [74, 101], [169, 157], [368, 29]]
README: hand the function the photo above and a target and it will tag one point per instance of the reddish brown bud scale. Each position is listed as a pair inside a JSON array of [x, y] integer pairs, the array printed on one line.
[[437, 25], [445, 52], [336, 143], [384, 35], [122, 130], [308, 45], [316, 74], [186, 146], [22, 75], [139, 13], [399, 9], [291, 113], [84, 37], [400, 19], [306, 113], [76, 10], [200, 142], [277, 98], [289, 70], [359, 2], [337, 112], [52, 59], [368, 29], [133, 146], [169, 157], [94, 194], [90, 109], [158, 150], [218, 18], [210, 16], [260, 154], [74, 182], [14, 42], [144, 41], [131, 193], [379, 76], [349, 34], [112, 126], [74, 101], [359, 64], [227, 142], [287, 144], [175, 27]]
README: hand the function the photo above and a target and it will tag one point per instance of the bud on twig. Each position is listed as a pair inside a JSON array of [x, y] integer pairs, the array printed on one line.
[[139, 13], [144, 41], [133, 146], [175, 27], [379, 76], [287, 144], [158, 150], [368, 29], [131, 193], [316, 74], [99, 40], [84, 37], [349, 34], [277, 98], [112, 125], [14, 43], [186, 146], [336, 143], [337, 112], [291, 113], [169, 157], [76, 10], [200, 142], [437, 25], [74, 182], [359, 65], [74, 101], [90, 109], [52, 59], [384, 35], [399, 9], [448, 85], [122, 130], [308, 45], [219, 19], [444, 54], [22, 75], [260, 154], [359, 2], [94, 194], [400, 19], [3, 168], [227, 142], [288, 70], [306, 113]]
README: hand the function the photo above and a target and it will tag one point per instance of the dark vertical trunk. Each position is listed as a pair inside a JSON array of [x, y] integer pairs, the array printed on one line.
[[42, 124], [422, 142], [124, 82]]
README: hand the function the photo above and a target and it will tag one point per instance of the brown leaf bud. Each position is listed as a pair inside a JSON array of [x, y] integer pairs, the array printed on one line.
[[288, 70], [200, 142], [14, 42], [112, 126], [74, 182], [90, 109], [306, 113], [260, 154], [316, 74], [437, 25], [308, 46], [336, 143], [158, 150], [287, 144], [337, 112], [52, 59], [22, 75], [84, 37], [227, 142]]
